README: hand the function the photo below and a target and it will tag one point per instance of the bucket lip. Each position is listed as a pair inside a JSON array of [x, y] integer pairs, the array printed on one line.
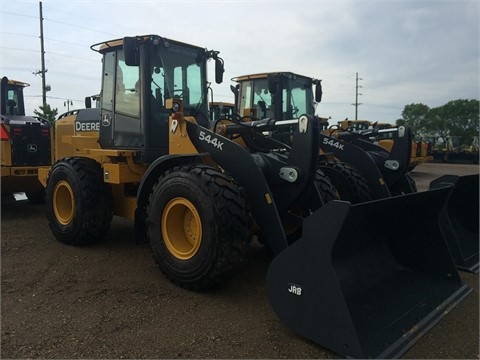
[[410, 338]]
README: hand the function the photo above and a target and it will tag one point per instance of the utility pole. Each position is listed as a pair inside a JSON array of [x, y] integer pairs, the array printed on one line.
[[67, 103], [43, 70], [356, 96]]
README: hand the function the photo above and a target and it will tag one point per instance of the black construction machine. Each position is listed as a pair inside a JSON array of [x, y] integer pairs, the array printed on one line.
[[360, 169], [345, 276], [459, 219], [364, 164]]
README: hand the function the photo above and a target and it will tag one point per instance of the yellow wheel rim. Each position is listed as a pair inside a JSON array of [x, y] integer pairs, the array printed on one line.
[[181, 228], [63, 202]]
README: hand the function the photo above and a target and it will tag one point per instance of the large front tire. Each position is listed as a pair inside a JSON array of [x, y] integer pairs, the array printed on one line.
[[79, 203], [350, 184], [198, 226]]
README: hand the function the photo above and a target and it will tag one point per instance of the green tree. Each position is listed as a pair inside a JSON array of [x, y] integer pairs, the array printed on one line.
[[437, 125], [459, 118], [47, 113], [455, 118], [414, 116]]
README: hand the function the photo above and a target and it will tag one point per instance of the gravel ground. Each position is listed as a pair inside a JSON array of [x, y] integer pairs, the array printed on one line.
[[111, 301]]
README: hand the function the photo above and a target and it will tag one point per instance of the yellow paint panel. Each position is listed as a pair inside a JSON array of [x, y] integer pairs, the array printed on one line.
[[119, 174], [268, 198]]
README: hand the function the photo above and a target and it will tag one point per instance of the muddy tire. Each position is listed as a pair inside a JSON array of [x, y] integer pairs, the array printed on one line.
[[350, 184], [328, 192], [198, 226], [79, 203]]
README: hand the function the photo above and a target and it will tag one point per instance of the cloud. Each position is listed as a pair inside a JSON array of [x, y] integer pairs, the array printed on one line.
[[405, 51]]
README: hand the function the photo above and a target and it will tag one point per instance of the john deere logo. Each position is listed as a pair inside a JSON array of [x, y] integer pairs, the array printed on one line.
[[106, 119], [32, 148]]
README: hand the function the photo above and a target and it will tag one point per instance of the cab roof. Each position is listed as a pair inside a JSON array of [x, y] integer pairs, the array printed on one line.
[[109, 45], [265, 75], [17, 83]]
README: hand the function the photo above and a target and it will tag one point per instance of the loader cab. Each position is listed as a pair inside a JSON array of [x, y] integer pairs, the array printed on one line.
[[281, 96], [139, 75], [11, 99], [221, 110]]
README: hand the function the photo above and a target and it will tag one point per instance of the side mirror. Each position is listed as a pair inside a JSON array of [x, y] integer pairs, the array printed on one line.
[[235, 90], [318, 91], [219, 70], [88, 102], [272, 84], [130, 50], [3, 95]]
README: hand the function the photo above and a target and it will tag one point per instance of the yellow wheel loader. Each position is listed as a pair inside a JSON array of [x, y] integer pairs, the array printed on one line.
[[26, 144], [421, 150], [359, 288], [363, 162], [220, 110]]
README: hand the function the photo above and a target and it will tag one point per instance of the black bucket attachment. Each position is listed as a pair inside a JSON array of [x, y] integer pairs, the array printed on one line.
[[368, 280], [459, 219]]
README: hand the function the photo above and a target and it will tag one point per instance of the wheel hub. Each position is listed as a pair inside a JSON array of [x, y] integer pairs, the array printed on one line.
[[181, 228], [63, 202]]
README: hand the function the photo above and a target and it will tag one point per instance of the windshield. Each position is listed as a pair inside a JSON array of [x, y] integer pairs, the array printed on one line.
[[297, 98], [14, 100], [176, 73]]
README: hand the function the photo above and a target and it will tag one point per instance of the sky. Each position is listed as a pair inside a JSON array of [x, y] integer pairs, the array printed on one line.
[[404, 51]]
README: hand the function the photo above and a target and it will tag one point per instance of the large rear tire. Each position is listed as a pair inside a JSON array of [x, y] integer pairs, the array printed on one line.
[[350, 184], [198, 226], [79, 203]]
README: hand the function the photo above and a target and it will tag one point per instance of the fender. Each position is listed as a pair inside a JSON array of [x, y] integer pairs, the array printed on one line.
[[358, 158], [159, 166], [400, 153]]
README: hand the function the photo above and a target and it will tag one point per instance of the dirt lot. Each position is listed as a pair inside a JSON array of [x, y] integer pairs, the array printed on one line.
[[111, 301]]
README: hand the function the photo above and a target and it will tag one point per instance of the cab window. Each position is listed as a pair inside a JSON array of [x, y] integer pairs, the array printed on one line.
[[127, 94]]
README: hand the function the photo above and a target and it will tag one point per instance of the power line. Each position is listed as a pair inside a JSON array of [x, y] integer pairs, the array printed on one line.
[[15, 34], [76, 57], [94, 19], [17, 14], [14, 68], [67, 42], [9, 48], [80, 27]]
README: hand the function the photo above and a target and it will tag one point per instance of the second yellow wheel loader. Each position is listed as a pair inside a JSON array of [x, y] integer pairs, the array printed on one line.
[[26, 144], [345, 276], [359, 169]]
